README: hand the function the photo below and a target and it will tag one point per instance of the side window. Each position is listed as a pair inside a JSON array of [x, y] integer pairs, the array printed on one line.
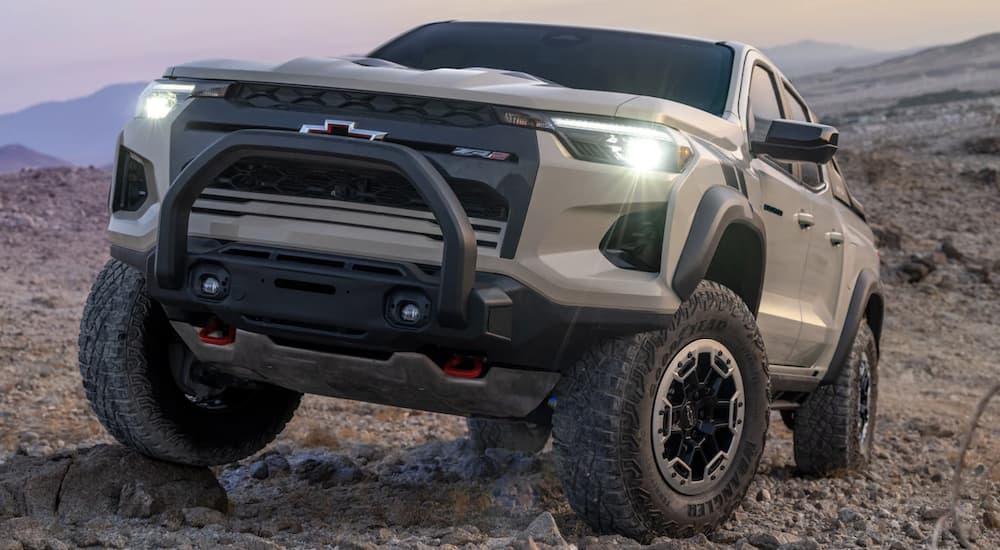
[[810, 173], [838, 184], [764, 104]]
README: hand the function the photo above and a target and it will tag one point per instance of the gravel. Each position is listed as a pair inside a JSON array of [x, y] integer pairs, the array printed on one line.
[[356, 475]]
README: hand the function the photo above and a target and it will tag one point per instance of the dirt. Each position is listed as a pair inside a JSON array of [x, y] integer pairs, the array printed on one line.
[[356, 475]]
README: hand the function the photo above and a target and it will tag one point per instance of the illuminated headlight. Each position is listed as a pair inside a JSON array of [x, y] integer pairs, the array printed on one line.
[[639, 145], [161, 96], [642, 153]]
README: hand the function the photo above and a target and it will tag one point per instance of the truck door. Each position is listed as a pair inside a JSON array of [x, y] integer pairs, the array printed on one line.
[[823, 277], [783, 211]]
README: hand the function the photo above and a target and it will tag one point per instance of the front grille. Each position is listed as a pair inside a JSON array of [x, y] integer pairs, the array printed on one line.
[[324, 100], [354, 185]]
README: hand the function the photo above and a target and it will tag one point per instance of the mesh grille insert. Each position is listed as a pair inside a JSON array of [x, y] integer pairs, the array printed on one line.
[[356, 185]]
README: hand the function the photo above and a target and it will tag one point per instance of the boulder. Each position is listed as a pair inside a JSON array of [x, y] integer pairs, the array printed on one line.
[[989, 145], [917, 269], [543, 530], [887, 237], [30, 486], [103, 480]]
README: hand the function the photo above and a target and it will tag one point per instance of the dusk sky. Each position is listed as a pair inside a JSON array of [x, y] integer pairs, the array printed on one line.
[[59, 49]]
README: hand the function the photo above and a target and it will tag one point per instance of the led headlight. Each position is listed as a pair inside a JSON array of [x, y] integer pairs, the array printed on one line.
[[643, 146], [161, 96]]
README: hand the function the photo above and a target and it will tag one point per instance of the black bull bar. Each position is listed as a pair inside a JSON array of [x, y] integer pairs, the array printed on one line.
[[458, 262]]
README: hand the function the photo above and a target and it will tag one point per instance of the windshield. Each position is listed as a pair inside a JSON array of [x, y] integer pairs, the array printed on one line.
[[692, 72]]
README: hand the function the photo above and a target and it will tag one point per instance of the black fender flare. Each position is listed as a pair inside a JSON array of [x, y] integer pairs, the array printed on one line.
[[866, 286], [719, 208]]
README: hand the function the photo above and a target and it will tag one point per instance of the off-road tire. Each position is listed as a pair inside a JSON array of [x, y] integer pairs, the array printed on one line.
[[828, 427], [123, 350], [602, 423], [514, 435]]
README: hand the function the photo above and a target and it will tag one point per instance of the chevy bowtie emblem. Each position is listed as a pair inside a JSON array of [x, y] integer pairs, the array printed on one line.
[[342, 128]]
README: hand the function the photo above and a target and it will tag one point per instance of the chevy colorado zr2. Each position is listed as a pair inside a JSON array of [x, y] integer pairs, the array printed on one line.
[[638, 244]]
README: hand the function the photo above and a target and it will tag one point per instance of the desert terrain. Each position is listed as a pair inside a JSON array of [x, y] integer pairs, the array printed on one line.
[[354, 475]]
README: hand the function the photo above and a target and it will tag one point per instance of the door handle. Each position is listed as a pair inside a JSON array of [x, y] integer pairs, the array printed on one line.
[[836, 238], [805, 219]]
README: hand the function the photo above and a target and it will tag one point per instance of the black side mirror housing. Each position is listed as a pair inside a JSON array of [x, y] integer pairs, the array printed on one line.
[[796, 141]]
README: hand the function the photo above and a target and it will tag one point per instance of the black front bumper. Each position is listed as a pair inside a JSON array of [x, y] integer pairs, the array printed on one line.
[[339, 304], [307, 299]]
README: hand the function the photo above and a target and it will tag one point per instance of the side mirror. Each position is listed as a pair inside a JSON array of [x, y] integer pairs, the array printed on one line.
[[792, 140]]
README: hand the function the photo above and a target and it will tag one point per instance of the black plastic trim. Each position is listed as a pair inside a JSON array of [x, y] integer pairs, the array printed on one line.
[[459, 256], [720, 207], [410, 380], [785, 382], [866, 286], [773, 209], [508, 323], [122, 184], [135, 258], [729, 172]]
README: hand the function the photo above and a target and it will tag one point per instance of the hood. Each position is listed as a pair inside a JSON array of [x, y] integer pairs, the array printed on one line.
[[493, 86]]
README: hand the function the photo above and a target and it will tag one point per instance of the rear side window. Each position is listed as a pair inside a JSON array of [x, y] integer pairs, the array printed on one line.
[[838, 184]]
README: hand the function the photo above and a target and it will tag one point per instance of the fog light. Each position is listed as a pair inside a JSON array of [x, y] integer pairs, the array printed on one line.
[[408, 308], [410, 313], [210, 286], [210, 282]]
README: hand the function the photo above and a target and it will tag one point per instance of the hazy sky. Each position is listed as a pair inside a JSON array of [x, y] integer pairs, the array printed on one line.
[[58, 49]]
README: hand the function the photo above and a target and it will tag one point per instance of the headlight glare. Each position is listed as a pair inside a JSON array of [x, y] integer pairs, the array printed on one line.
[[643, 153], [612, 128], [159, 105], [639, 145], [162, 96]]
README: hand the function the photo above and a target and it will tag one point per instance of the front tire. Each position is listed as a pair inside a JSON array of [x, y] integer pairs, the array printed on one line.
[[620, 473], [125, 342], [835, 427]]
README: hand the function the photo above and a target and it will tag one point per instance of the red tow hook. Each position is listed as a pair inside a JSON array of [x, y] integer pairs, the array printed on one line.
[[217, 334], [461, 366]]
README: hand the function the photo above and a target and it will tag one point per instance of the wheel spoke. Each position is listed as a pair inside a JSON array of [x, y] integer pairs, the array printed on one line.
[[706, 427], [698, 408]]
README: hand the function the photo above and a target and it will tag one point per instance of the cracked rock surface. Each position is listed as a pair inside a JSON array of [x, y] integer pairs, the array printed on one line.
[[101, 481]]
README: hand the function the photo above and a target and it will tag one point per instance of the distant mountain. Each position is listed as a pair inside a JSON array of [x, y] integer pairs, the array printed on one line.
[[82, 131], [18, 157], [963, 70], [810, 57]]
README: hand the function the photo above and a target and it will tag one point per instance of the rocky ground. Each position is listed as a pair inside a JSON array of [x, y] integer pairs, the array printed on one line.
[[360, 476]]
